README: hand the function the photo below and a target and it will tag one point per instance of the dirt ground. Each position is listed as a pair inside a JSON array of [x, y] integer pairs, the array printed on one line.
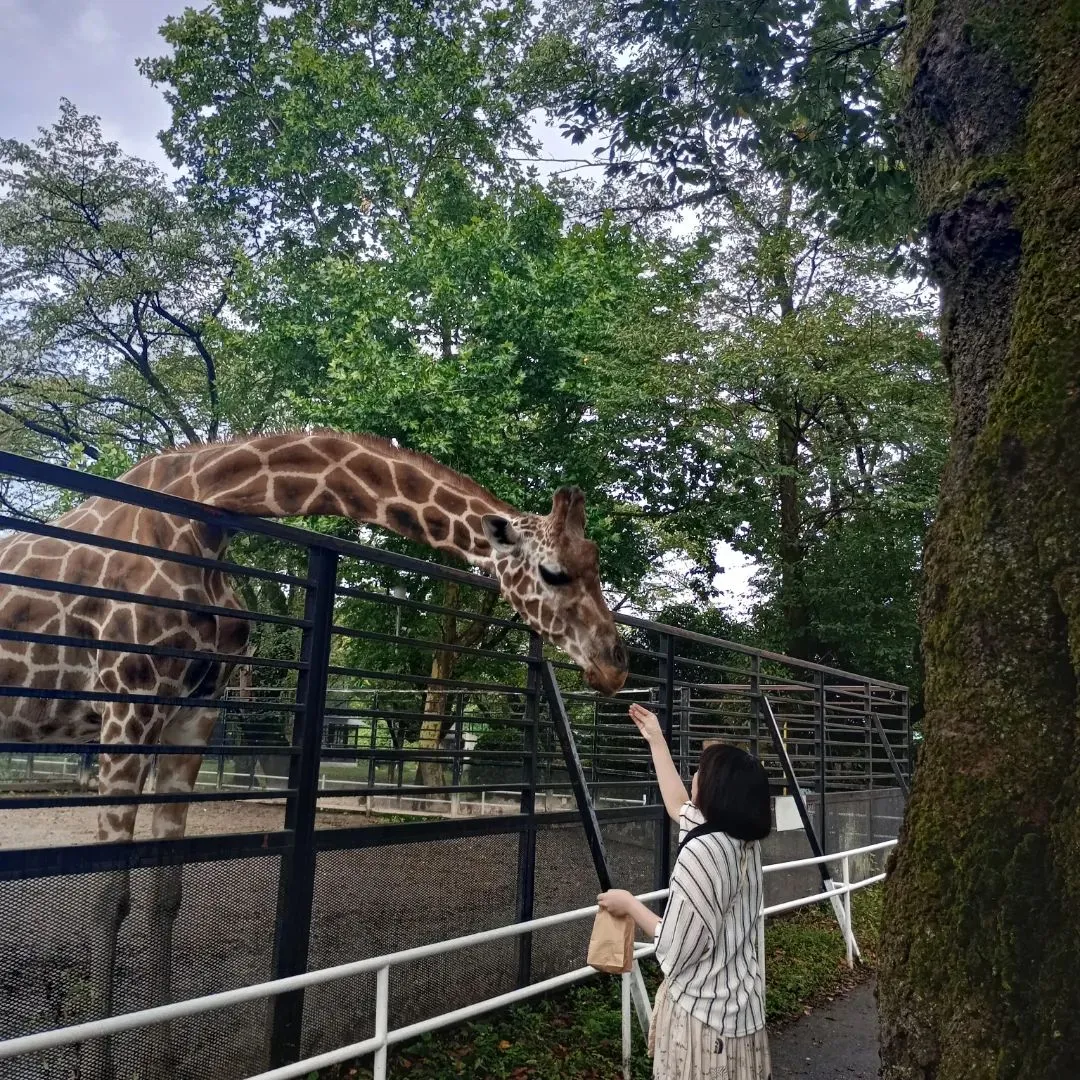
[[78, 825]]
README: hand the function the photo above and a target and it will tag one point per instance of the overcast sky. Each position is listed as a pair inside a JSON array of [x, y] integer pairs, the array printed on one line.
[[85, 50]]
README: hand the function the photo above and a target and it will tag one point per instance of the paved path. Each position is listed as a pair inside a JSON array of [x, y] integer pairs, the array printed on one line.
[[838, 1041]]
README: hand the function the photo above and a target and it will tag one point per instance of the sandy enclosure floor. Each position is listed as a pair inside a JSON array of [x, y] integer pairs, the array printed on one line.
[[78, 825]]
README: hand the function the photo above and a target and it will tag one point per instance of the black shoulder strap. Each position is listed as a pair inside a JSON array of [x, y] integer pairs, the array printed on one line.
[[698, 830]]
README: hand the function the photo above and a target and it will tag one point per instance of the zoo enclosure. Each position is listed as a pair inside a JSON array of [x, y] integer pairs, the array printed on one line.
[[321, 662]]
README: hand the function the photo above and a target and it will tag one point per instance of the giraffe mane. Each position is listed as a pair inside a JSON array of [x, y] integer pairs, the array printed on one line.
[[377, 443]]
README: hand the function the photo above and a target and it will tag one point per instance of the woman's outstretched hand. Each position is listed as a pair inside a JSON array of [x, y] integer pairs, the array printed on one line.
[[667, 776], [646, 723]]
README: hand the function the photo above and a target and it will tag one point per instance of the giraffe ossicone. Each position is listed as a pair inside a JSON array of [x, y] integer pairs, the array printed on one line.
[[546, 568]]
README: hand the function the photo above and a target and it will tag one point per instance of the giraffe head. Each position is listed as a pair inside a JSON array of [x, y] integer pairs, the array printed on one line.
[[548, 571]]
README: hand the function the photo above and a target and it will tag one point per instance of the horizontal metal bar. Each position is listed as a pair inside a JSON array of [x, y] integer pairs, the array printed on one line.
[[25, 863], [425, 680], [796, 864], [734, 646], [806, 901], [464, 614], [428, 645], [210, 750], [51, 802], [148, 599], [107, 645], [111, 543], [335, 712], [709, 665], [423, 1027], [145, 699], [407, 753], [118, 491]]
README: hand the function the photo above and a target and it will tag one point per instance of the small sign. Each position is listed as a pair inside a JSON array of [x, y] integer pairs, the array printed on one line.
[[787, 814]]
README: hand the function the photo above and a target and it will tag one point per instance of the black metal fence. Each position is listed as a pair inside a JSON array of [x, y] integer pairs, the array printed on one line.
[[467, 821]]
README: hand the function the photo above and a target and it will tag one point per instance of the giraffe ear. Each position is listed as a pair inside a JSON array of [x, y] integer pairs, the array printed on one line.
[[568, 510], [500, 533]]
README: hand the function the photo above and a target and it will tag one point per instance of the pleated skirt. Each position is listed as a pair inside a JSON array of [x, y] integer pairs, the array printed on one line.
[[683, 1048]]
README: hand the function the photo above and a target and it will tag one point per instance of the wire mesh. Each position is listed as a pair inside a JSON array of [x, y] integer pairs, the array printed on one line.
[[48, 930], [377, 900]]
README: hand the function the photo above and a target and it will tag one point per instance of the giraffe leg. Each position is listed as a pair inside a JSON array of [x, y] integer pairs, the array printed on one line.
[[118, 774], [176, 774]]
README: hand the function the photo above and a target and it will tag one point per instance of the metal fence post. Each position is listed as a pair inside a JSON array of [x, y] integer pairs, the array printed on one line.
[[667, 708], [822, 771], [459, 738], [905, 714], [526, 869], [869, 737], [684, 733], [296, 884], [755, 705], [849, 933]]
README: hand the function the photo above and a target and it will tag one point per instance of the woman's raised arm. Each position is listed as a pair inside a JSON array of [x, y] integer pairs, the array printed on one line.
[[667, 776]]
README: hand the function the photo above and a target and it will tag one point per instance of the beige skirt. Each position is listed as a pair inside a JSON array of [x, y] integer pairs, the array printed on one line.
[[683, 1048]]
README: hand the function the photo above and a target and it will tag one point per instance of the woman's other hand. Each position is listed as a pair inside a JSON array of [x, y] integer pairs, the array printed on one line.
[[646, 723], [617, 901]]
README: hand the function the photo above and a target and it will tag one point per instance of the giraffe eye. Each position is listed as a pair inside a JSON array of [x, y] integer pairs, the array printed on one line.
[[555, 577]]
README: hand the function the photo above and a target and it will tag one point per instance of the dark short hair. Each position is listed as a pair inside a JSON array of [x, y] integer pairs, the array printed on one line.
[[733, 792]]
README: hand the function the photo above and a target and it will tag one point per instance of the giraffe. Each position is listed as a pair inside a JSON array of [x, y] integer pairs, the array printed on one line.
[[546, 569]]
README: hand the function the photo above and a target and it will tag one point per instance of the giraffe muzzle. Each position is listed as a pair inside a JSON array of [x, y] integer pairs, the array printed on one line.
[[610, 676]]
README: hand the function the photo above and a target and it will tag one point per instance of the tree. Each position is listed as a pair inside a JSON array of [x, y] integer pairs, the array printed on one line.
[[980, 971], [822, 399], [321, 123], [115, 292], [774, 122], [692, 100]]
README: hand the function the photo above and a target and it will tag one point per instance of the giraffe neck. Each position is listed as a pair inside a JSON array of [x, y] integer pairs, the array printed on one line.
[[360, 477]]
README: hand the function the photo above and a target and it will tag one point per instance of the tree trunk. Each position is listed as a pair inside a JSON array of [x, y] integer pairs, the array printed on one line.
[[790, 548], [436, 701], [980, 972], [431, 773]]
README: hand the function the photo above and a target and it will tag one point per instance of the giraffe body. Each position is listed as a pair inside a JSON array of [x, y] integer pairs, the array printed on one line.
[[545, 566]]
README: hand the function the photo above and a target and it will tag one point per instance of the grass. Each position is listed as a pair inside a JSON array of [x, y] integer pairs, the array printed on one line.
[[575, 1035]]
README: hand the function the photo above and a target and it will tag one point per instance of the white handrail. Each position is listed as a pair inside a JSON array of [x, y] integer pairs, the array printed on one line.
[[795, 864], [381, 965]]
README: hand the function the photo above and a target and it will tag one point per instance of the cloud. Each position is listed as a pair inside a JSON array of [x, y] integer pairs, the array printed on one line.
[[92, 28], [17, 17]]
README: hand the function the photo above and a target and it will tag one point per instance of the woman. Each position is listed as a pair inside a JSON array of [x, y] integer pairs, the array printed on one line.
[[709, 1018]]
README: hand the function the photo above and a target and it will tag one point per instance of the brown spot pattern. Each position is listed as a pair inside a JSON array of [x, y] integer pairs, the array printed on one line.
[[437, 523], [412, 483]]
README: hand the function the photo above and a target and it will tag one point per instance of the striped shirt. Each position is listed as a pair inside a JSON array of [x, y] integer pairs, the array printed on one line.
[[706, 942]]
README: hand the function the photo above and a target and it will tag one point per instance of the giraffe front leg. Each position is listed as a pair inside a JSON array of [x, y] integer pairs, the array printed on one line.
[[118, 774], [176, 775]]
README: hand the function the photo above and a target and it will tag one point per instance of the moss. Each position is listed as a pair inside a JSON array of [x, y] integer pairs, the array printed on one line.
[[981, 953]]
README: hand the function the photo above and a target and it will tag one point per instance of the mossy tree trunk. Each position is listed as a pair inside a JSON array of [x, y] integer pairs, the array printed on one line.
[[980, 968]]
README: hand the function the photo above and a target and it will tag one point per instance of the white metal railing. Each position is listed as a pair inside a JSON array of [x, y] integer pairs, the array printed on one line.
[[383, 1037]]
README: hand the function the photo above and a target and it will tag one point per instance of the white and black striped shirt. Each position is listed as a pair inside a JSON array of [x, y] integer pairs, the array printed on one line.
[[706, 941]]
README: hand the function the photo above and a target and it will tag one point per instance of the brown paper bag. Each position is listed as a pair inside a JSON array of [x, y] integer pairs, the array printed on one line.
[[611, 947]]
